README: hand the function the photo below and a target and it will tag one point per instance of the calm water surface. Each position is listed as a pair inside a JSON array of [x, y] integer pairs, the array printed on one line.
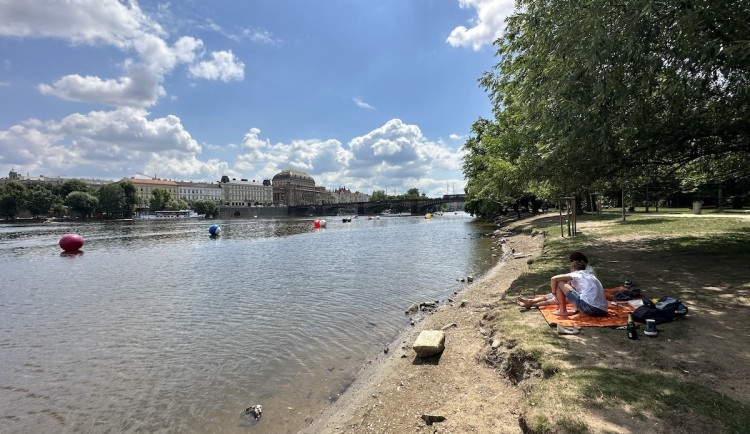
[[157, 327]]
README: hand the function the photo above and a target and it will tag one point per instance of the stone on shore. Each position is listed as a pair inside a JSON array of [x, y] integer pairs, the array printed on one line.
[[429, 343]]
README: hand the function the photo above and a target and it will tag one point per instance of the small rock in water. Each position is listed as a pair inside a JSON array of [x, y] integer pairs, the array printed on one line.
[[254, 411]]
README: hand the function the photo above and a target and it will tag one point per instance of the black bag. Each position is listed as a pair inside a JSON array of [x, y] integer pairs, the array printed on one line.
[[626, 294], [665, 310]]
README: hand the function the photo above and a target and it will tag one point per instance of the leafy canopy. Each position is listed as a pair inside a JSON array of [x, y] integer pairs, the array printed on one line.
[[601, 94]]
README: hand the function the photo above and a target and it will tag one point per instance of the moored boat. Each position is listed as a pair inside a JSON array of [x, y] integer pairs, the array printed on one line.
[[171, 215]]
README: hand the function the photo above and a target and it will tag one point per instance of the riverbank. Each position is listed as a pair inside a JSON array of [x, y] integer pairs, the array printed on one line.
[[396, 390], [507, 371]]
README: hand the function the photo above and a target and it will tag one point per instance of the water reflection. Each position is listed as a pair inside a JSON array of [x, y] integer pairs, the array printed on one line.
[[157, 327]]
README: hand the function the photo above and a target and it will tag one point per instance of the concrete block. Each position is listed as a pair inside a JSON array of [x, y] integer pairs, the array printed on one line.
[[429, 343]]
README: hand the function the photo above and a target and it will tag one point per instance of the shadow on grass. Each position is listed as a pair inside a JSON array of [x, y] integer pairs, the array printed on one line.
[[708, 272], [736, 243], [654, 394], [652, 221]]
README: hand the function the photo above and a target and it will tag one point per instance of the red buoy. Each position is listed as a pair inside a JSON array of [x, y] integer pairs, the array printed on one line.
[[316, 223], [71, 242]]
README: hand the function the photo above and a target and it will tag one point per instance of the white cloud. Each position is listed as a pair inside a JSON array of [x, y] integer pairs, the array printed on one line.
[[363, 104], [487, 26], [89, 22], [260, 35], [123, 142], [254, 34], [110, 144], [30, 145], [127, 128], [393, 155], [311, 155], [223, 66], [140, 89], [396, 153], [124, 26]]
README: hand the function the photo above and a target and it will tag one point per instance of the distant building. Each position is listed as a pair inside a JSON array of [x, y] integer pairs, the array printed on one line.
[[294, 187], [190, 191], [324, 196], [145, 187], [344, 195], [53, 180], [245, 192]]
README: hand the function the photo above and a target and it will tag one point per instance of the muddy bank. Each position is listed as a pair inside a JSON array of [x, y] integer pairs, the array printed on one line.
[[400, 392]]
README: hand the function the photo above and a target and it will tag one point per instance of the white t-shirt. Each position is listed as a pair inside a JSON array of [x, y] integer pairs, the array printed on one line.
[[589, 288], [590, 269]]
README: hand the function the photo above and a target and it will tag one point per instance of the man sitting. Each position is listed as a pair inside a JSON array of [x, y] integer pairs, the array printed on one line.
[[583, 290]]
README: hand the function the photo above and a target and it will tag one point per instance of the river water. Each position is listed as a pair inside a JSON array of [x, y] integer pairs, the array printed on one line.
[[158, 327]]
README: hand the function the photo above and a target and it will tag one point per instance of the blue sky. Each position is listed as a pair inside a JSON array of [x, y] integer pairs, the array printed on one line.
[[368, 95]]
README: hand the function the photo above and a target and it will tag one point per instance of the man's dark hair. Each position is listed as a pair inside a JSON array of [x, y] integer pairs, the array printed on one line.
[[578, 265], [578, 256]]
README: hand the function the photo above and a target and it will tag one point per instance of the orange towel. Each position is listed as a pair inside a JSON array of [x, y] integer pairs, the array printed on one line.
[[617, 315]]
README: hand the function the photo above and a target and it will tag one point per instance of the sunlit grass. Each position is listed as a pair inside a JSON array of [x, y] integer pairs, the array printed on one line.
[[570, 386]]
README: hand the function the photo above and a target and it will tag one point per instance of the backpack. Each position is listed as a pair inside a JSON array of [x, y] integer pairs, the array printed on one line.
[[665, 310]]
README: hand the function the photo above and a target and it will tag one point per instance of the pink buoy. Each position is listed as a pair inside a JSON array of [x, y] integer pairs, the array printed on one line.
[[71, 242]]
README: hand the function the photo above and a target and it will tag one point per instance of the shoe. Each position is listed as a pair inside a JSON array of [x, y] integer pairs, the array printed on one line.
[[562, 330]]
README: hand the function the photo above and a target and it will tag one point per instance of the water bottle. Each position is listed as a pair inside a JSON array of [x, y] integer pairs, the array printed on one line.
[[632, 332]]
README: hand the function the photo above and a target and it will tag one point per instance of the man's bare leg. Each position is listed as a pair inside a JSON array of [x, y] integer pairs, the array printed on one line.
[[560, 292]]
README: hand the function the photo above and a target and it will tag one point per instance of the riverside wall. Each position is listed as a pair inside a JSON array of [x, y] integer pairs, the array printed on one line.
[[246, 212]]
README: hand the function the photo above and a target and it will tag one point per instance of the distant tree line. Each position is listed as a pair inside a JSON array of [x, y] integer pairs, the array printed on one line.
[[412, 193], [640, 99], [115, 200]]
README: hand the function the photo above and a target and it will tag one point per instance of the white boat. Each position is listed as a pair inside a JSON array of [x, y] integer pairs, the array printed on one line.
[[171, 215]]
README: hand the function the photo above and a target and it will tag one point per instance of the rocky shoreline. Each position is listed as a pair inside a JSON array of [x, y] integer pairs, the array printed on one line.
[[454, 391]]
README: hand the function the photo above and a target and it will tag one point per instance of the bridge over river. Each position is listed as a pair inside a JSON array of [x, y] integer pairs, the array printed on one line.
[[415, 206]]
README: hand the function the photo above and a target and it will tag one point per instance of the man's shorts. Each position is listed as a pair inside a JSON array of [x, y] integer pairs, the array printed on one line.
[[582, 306]]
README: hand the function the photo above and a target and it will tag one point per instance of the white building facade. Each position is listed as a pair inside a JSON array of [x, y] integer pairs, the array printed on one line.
[[243, 192], [190, 191]]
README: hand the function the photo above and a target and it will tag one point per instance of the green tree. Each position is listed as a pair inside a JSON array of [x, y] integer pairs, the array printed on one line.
[[13, 196], [58, 208], [206, 206], [111, 199], [131, 198], [179, 204], [160, 199], [609, 95], [72, 185], [412, 193], [82, 203], [378, 196], [9, 207], [40, 200]]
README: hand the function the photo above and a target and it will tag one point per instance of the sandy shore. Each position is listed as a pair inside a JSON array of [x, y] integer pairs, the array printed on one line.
[[392, 394]]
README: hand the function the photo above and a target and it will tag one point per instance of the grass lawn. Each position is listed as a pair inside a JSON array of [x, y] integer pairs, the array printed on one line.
[[691, 378]]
